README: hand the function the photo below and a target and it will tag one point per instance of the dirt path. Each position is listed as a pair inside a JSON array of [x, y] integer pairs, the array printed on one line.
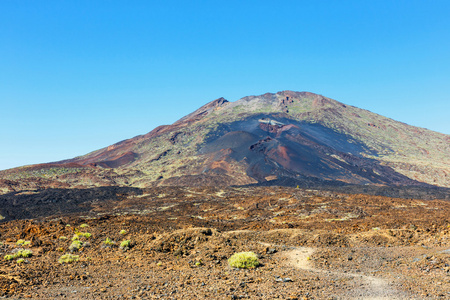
[[364, 287]]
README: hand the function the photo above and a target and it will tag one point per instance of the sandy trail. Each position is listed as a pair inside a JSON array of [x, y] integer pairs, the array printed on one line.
[[365, 287]]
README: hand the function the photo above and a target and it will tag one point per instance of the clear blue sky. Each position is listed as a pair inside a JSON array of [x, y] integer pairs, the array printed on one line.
[[76, 76]]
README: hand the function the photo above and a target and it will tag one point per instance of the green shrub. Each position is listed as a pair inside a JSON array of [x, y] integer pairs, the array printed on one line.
[[20, 253], [109, 242], [123, 232], [23, 243], [24, 253], [75, 246], [20, 260], [63, 238], [84, 225], [125, 245], [243, 260], [79, 234], [68, 258]]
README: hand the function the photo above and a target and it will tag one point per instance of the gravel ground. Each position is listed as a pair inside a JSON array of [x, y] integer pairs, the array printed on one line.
[[311, 245]]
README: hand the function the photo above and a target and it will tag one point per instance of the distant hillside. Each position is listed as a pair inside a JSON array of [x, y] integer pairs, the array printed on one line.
[[296, 137]]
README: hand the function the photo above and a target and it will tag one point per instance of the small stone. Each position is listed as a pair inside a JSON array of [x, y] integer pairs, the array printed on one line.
[[279, 279], [271, 250]]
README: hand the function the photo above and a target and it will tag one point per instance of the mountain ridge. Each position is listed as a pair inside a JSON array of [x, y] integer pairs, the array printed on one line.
[[310, 137]]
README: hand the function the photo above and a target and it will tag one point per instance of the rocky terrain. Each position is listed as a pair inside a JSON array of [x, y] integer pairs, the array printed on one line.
[[337, 203], [312, 244], [292, 138]]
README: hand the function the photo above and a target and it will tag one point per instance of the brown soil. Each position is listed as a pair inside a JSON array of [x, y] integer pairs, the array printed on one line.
[[312, 245]]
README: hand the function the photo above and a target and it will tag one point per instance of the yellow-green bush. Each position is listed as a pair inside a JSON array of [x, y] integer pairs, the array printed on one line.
[[20, 253], [125, 245], [109, 242], [24, 253], [79, 234], [244, 260], [68, 258], [75, 246], [20, 260]]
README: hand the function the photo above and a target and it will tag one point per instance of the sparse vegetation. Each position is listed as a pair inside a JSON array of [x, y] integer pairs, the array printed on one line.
[[123, 232], [108, 242], [125, 245], [79, 234], [68, 258], [75, 246], [42, 173], [24, 253], [9, 257], [159, 249], [84, 225], [244, 260], [19, 253], [20, 260]]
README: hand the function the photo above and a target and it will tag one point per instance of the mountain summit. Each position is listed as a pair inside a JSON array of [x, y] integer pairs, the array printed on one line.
[[287, 138]]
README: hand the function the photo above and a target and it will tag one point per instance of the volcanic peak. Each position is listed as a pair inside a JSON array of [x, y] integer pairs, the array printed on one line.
[[226, 143], [204, 111]]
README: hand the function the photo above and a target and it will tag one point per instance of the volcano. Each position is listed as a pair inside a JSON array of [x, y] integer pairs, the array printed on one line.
[[289, 176], [286, 138]]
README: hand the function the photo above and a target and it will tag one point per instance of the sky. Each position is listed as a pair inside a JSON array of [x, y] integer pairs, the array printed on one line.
[[76, 76]]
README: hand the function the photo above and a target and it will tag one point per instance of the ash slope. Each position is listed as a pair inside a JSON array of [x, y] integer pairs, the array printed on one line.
[[285, 138]]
